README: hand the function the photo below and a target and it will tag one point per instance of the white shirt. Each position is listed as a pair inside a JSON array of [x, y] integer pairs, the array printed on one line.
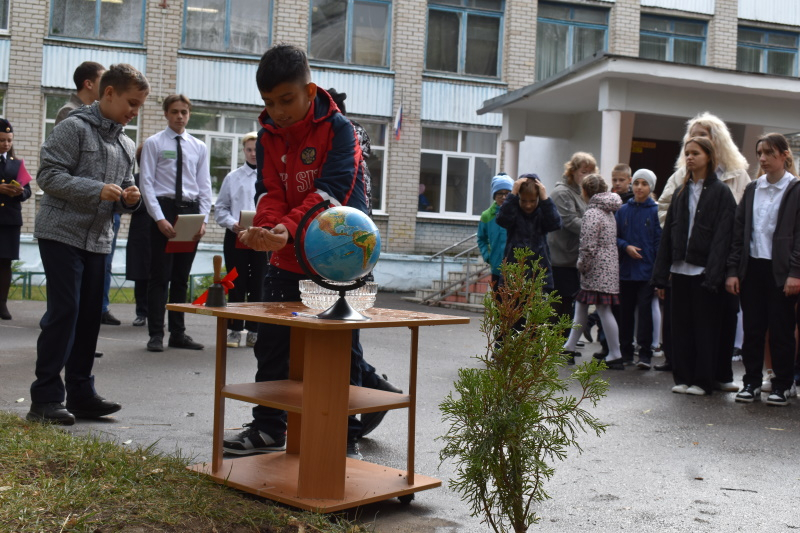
[[682, 267], [158, 166], [766, 203], [236, 194]]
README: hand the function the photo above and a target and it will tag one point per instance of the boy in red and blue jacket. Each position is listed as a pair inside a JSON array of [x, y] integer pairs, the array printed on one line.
[[306, 152]]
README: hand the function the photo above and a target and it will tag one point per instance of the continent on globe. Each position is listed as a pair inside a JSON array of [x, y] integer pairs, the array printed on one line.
[[366, 241], [330, 220]]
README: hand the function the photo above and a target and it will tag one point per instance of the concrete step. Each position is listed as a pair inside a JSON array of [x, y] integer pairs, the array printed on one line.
[[480, 286], [471, 307], [461, 296]]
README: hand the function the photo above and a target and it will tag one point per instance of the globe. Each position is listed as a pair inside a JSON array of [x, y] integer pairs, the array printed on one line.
[[342, 244]]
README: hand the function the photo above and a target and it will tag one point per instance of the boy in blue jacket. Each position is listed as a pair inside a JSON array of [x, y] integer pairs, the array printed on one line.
[[638, 236], [491, 237]]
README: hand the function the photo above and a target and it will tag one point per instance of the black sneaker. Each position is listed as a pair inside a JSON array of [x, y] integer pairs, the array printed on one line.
[[615, 364], [52, 412], [643, 364], [184, 341], [155, 344], [370, 421], [140, 321], [749, 394], [352, 450], [93, 407], [777, 397], [251, 441], [109, 319]]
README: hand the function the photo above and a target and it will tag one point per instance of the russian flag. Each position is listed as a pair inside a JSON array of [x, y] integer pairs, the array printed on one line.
[[398, 122]]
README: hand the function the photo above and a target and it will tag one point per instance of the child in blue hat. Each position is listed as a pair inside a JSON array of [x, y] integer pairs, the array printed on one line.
[[491, 237]]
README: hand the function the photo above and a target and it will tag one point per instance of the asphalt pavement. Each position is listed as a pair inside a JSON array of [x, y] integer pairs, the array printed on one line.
[[667, 462]]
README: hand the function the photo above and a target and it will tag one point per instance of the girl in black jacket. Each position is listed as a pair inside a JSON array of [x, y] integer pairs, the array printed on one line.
[[764, 269], [693, 252]]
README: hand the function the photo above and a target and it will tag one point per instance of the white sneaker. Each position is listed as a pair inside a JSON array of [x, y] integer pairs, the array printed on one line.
[[767, 385], [695, 391], [252, 337], [792, 392], [680, 389], [234, 338]]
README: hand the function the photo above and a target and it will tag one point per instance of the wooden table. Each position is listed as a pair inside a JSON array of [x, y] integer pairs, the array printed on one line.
[[314, 472]]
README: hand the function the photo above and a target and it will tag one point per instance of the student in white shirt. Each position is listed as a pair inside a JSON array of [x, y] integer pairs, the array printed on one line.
[[166, 156], [764, 270], [237, 194]]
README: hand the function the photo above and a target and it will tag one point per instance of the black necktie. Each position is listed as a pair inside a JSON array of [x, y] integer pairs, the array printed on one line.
[[179, 172]]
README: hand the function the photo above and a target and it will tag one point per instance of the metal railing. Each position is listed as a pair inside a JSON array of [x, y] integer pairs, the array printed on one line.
[[468, 279]]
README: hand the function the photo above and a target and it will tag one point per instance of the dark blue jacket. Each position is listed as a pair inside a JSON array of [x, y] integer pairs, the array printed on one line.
[[637, 225], [529, 230]]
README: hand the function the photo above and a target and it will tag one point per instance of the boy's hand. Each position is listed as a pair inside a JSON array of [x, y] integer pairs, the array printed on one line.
[[111, 192], [238, 228], [200, 232], [633, 251], [131, 195], [10, 190], [732, 285], [265, 240], [542, 190], [660, 294], [517, 185], [792, 286], [166, 228]]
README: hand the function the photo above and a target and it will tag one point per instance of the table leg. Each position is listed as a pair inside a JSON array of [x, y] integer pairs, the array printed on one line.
[[294, 421], [412, 408], [219, 401], [326, 390]]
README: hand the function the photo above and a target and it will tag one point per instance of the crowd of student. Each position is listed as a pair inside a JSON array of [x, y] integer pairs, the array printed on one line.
[[718, 250]]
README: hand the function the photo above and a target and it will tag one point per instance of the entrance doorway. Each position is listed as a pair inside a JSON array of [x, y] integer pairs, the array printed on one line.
[[656, 155]]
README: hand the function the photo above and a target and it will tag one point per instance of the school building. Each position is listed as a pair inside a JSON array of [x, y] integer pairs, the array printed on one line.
[[484, 85]]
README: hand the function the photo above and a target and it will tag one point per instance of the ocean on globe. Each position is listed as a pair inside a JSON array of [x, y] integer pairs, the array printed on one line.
[[342, 244]]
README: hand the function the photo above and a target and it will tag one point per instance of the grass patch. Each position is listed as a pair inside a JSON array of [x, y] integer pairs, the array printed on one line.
[[53, 481]]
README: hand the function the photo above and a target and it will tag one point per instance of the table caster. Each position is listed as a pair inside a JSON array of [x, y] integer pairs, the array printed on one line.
[[405, 499]]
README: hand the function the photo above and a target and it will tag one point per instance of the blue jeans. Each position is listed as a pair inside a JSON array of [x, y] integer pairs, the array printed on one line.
[[109, 260], [272, 353]]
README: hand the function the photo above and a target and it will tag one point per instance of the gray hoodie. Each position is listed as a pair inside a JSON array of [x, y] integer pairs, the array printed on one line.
[[564, 242], [83, 153]]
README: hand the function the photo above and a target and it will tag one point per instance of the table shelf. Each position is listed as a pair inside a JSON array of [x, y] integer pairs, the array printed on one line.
[[288, 395]]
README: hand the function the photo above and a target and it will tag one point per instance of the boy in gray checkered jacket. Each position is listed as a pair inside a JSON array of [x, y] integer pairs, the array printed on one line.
[[86, 173]]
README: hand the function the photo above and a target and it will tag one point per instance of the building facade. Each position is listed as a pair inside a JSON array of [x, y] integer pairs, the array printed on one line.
[[484, 86]]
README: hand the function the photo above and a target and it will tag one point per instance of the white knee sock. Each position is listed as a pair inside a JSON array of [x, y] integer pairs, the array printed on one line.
[[580, 320], [611, 330]]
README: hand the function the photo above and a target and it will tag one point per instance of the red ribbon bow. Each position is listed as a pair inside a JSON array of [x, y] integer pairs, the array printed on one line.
[[226, 282]]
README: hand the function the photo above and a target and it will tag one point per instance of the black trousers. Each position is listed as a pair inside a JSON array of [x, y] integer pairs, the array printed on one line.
[[696, 322], [766, 308], [140, 295], [250, 266], [272, 353], [666, 325], [723, 370], [567, 282], [636, 295], [71, 323], [169, 275]]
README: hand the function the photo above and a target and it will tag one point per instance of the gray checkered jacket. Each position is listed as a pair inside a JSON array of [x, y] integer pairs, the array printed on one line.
[[84, 152]]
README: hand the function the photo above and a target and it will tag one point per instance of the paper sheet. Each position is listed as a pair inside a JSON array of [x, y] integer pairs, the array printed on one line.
[[186, 227]]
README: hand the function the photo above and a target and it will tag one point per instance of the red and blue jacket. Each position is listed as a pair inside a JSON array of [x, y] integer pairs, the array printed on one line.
[[316, 159]]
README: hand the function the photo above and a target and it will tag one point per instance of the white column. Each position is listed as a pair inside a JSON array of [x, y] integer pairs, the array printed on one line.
[[511, 158], [609, 142]]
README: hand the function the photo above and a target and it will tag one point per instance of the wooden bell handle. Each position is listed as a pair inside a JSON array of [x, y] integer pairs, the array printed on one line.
[[217, 268]]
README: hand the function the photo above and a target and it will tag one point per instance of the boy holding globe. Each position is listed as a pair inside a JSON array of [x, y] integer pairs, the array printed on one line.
[[307, 152]]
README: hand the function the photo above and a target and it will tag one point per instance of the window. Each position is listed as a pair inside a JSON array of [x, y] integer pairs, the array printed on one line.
[[55, 102], [566, 35], [676, 40], [4, 6], [464, 36], [377, 161], [350, 31], [228, 26], [107, 20], [456, 171], [222, 131], [769, 52]]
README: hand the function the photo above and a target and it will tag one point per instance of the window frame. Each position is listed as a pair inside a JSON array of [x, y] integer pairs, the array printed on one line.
[[465, 12], [671, 37], [226, 52], [96, 34], [764, 48], [349, 29], [441, 213], [383, 145], [571, 25], [7, 29], [47, 121]]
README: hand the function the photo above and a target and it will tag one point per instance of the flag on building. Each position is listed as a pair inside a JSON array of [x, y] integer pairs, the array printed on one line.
[[398, 122]]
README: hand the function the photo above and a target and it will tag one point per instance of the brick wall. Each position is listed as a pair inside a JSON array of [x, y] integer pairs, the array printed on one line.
[[24, 101], [623, 28], [722, 34], [290, 22], [434, 236], [519, 46]]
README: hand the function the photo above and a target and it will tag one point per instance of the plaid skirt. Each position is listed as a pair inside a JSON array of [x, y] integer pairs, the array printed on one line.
[[597, 298]]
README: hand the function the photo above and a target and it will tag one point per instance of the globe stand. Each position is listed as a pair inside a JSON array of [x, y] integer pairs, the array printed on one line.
[[341, 309]]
